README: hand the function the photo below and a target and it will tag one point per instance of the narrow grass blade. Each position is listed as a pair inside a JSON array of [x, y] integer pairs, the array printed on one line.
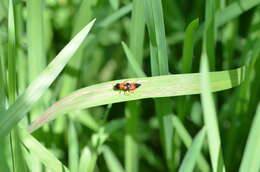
[[210, 117], [115, 16], [112, 162], [251, 157], [137, 31], [155, 14], [3, 157], [11, 54], [36, 55], [192, 155], [187, 140], [187, 52], [84, 159], [23, 104], [133, 63], [114, 4], [209, 33], [234, 10], [73, 148], [159, 86], [44, 155], [19, 158], [168, 130], [132, 112]]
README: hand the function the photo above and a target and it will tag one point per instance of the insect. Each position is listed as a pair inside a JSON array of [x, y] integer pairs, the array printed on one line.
[[126, 86]]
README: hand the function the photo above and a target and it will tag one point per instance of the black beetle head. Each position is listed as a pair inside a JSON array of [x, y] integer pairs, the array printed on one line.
[[116, 86], [137, 85]]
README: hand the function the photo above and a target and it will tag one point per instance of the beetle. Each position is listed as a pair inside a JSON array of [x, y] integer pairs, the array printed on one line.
[[126, 86]]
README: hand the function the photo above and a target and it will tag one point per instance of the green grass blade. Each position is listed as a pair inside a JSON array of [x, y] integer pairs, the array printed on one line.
[[36, 54], [132, 112], [192, 155], [159, 86], [35, 90], [234, 10], [137, 31], [115, 16], [44, 155], [19, 158], [82, 17], [114, 4], [251, 157], [3, 157], [209, 33], [11, 54], [210, 117], [132, 61], [168, 129], [73, 148], [187, 52], [156, 26], [112, 162], [187, 140], [84, 159]]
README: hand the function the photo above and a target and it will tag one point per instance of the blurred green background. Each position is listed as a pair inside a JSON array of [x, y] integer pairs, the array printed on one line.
[[164, 37]]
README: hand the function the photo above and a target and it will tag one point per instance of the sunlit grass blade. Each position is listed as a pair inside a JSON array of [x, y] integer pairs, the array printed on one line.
[[44, 155], [159, 86], [251, 157], [112, 162], [187, 140], [35, 90], [193, 152], [210, 116]]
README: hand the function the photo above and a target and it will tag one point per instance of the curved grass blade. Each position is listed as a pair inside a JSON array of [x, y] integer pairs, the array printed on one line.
[[44, 155], [36, 89], [151, 87], [251, 158], [193, 153]]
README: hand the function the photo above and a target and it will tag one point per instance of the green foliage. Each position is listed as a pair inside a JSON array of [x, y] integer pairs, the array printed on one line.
[[78, 122]]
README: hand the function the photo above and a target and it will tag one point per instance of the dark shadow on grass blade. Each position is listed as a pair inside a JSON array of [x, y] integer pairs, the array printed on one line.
[[36, 89], [152, 87]]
